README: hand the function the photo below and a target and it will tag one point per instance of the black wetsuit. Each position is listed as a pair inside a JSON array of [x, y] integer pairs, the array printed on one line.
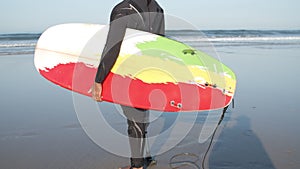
[[145, 15], [135, 14]]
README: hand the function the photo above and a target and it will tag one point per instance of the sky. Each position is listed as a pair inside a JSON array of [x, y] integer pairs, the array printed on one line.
[[33, 16]]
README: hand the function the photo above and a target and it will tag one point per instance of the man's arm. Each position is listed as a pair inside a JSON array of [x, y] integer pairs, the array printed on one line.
[[112, 47], [116, 33]]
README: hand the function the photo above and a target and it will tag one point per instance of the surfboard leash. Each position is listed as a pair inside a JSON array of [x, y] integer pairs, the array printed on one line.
[[174, 164], [212, 137]]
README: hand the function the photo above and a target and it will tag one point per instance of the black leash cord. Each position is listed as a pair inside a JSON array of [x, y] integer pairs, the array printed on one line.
[[212, 137]]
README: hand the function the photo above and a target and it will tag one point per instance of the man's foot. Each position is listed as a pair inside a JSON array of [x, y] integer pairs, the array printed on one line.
[[149, 161], [128, 167]]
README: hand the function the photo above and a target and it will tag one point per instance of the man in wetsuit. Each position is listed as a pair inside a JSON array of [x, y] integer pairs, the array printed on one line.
[[145, 15]]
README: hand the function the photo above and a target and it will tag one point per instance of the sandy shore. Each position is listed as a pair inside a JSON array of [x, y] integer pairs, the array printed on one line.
[[39, 126]]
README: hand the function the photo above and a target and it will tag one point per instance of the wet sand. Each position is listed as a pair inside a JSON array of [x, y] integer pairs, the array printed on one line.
[[39, 126], [262, 129]]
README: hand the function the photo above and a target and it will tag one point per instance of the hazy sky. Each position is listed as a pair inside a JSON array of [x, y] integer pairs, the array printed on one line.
[[37, 15]]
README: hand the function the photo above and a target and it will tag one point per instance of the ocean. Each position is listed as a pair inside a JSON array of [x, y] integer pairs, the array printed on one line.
[[15, 44]]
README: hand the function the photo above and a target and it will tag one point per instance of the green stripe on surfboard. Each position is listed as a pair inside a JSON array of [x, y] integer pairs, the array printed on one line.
[[162, 47]]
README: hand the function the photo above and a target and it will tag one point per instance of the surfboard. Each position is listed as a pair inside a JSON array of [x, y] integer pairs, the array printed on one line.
[[151, 72]]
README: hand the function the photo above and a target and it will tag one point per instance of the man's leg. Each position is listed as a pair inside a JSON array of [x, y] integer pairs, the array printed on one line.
[[137, 120]]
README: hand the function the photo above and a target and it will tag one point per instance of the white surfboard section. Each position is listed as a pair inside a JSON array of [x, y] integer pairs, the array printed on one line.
[[132, 38], [79, 42], [64, 44]]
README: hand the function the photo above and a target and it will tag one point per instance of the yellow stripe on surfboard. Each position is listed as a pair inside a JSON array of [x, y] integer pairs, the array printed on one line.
[[141, 67]]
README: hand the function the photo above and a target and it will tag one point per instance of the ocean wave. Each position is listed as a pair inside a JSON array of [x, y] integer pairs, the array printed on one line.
[[17, 45], [233, 39], [19, 37], [233, 36], [236, 33], [2, 53], [254, 39]]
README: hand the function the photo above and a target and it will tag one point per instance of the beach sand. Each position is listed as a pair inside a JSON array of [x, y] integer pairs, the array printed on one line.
[[39, 126], [262, 129]]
